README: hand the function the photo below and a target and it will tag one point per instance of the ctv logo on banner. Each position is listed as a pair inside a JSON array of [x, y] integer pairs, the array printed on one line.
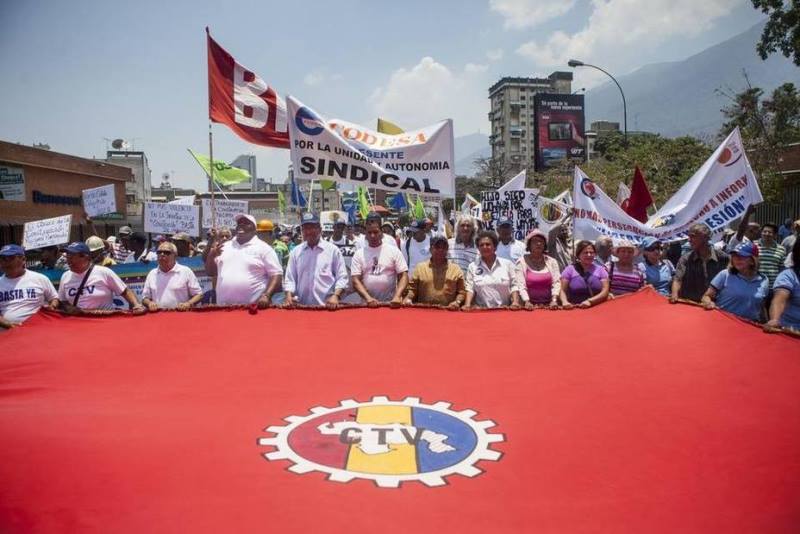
[[716, 195], [388, 442], [242, 100]]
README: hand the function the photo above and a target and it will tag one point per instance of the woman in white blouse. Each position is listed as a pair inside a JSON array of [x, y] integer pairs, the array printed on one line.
[[491, 281]]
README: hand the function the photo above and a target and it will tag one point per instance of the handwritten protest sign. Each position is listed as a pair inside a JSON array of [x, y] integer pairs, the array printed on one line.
[[99, 200], [525, 207], [162, 218], [46, 232], [226, 211]]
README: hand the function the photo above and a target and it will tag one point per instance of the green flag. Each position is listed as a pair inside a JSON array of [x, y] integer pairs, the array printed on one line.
[[327, 185], [419, 209], [224, 173], [281, 202], [363, 202]]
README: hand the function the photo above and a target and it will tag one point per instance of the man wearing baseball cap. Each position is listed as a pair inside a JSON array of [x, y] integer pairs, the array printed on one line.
[[316, 274], [86, 286], [22, 292], [417, 247], [246, 268], [122, 245]]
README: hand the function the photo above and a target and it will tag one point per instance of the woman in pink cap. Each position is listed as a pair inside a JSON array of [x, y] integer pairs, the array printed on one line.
[[540, 272]]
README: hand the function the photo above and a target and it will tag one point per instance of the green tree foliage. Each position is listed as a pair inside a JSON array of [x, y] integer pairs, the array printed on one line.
[[782, 31], [767, 126], [666, 164]]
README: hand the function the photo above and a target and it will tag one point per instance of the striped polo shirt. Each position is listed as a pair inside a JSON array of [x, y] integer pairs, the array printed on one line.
[[622, 282], [770, 260]]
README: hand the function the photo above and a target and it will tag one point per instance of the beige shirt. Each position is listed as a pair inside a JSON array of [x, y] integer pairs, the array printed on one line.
[[436, 285]]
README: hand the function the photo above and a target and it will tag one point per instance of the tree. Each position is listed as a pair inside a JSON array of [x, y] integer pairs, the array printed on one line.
[[782, 31], [666, 164], [767, 127]]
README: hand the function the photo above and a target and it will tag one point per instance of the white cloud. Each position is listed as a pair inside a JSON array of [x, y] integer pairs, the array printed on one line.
[[429, 92], [474, 68], [519, 14], [619, 31], [495, 55]]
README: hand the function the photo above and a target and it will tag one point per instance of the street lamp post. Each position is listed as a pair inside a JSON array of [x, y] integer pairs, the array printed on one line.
[[575, 63]]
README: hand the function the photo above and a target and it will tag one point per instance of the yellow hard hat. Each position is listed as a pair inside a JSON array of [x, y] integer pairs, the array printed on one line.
[[265, 225]]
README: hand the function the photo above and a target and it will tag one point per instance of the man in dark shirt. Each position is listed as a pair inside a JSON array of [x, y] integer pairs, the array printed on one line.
[[697, 268]]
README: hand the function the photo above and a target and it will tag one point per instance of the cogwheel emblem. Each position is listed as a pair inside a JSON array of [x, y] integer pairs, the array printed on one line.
[[388, 442]]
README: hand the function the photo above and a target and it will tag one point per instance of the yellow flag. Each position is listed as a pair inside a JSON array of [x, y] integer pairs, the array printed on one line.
[[387, 127]]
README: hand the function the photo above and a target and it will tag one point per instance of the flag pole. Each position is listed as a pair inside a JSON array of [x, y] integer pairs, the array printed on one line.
[[211, 178]]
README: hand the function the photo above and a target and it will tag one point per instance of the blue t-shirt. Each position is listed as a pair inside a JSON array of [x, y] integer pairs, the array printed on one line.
[[659, 276], [740, 296], [787, 279]]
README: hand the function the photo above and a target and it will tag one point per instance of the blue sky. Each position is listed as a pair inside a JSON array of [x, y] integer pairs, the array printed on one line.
[[78, 72]]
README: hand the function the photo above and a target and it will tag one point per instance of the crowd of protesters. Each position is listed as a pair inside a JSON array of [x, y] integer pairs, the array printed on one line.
[[753, 273]]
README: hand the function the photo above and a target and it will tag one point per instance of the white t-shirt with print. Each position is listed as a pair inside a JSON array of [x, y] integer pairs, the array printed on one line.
[[244, 271], [379, 268], [22, 296], [98, 293]]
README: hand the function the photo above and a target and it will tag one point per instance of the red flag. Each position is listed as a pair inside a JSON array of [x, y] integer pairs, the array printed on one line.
[[240, 99], [640, 198]]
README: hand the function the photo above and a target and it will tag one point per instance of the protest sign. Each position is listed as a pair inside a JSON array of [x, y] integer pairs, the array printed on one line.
[[328, 218], [418, 161], [46, 232], [160, 218], [716, 195], [525, 207], [185, 200], [226, 210], [12, 183], [99, 200]]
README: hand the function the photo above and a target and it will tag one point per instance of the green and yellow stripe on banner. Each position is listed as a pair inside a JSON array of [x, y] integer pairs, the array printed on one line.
[[402, 459]]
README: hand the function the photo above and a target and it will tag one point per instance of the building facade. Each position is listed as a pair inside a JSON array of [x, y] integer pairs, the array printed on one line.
[[512, 117], [138, 191], [38, 184]]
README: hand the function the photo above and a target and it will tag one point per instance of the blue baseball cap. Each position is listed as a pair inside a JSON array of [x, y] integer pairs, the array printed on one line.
[[12, 250], [504, 221], [649, 242], [78, 247], [309, 217], [419, 224], [746, 250]]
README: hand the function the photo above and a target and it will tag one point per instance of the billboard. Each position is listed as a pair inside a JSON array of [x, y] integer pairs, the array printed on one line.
[[559, 129]]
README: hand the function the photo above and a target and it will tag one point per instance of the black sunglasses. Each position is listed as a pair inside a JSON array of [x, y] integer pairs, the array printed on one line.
[[167, 252]]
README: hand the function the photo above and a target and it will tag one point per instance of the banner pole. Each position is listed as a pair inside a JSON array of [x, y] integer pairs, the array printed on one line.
[[211, 178]]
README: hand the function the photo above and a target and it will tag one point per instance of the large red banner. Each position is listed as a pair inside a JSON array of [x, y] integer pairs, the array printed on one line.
[[634, 416], [240, 99]]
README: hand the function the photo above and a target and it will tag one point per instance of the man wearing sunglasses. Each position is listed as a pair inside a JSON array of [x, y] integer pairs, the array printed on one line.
[[170, 285]]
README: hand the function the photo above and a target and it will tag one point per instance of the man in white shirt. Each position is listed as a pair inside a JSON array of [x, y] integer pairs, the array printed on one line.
[[508, 247], [316, 274], [379, 271], [91, 287], [347, 245], [22, 292], [361, 240], [247, 269], [417, 247], [170, 285]]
